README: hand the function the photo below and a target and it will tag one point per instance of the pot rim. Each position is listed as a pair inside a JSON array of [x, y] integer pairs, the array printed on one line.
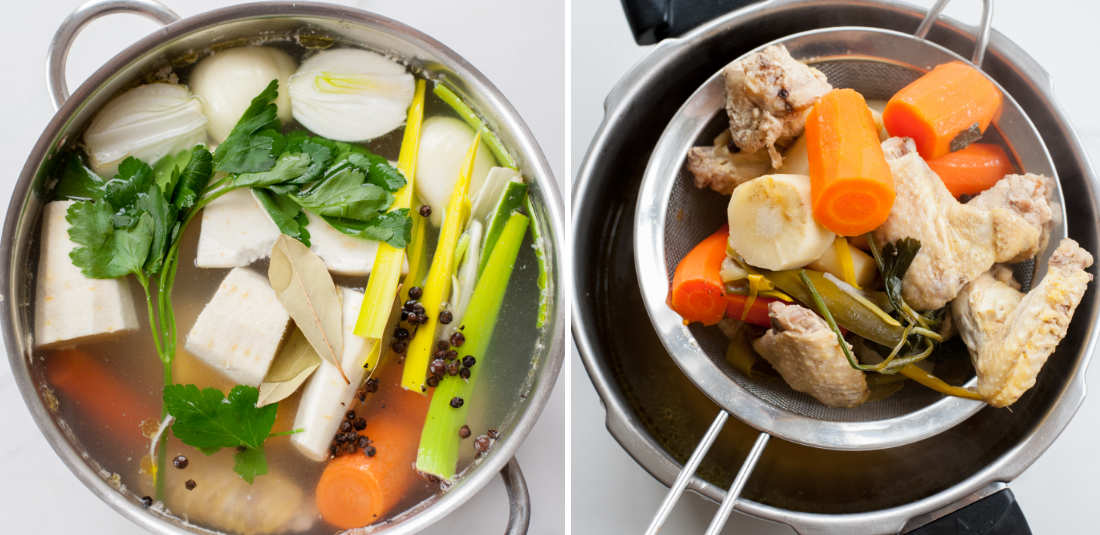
[[541, 386], [643, 448]]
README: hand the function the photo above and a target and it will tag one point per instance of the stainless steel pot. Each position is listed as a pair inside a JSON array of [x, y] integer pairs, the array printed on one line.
[[519, 394], [658, 416]]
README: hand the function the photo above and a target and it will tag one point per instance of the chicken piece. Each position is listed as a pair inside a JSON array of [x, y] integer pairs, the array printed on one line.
[[717, 168], [768, 94], [802, 348], [1010, 335], [1021, 216], [959, 242]]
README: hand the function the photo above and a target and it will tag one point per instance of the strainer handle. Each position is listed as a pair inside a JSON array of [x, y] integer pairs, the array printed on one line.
[[58, 55], [984, 30]]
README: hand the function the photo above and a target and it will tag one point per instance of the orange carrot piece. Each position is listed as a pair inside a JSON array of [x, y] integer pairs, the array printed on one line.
[[944, 110], [99, 396], [356, 490], [851, 188], [758, 310], [972, 170], [697, 293]]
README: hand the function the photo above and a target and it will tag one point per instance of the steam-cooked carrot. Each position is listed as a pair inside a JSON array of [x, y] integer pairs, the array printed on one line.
[[851, 187], [99, 396], [356, 490], [697, 293], [972, 170], [945, 110], [758, 310]]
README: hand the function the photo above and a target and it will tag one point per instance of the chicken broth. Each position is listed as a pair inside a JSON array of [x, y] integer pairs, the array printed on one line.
[[203, 489]]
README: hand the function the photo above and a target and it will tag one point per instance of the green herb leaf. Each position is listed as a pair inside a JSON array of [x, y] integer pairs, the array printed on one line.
[[393, 227], [134, 177], [103, 251], [287, 215], [378, 170], [344, 193], [208, 421], [320, 150], [287, 168], [193, 178], [153, 204], [166, 171], [255, 142], [250, 463], [78, 182]]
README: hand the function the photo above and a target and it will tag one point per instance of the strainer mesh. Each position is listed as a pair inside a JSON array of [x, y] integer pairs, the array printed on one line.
[[694, 213]]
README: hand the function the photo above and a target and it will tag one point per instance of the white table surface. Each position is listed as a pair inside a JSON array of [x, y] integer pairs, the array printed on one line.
[[612, 494], [38, 495]]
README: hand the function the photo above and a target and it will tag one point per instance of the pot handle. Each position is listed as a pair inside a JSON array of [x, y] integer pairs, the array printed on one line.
[[996, 514], [653, 20], [519, 500], [58, 54]]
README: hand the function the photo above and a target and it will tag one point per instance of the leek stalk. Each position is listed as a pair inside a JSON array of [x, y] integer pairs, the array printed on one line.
[[544, 270], [512, 198], [475, 122], [438, 284], [384, 275], [439, 440]]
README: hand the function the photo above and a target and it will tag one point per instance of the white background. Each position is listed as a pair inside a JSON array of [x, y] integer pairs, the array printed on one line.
[[526, 61], [612, 494]]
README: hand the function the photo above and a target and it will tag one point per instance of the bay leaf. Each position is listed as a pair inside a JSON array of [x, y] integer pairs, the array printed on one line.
[[294, 363], [303, 285]]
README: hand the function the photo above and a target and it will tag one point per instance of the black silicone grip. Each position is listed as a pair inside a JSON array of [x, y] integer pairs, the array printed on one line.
[[997, 514], [653, 20]]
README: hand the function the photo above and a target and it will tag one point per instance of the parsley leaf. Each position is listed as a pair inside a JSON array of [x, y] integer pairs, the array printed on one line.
[[250, 463], [393, 227], [103, 251], [152, 204], [255, 142], [287, 215], [379, 171], [77, 182], [166, 171], [288, 167], [320, 150], [193, 178], [344, 192]]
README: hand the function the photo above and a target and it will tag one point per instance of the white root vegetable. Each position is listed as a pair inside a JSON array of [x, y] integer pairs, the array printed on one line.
[[236, 231], [443, 145], [350, 94], [485, 199], [772, 224], [863, 266], [147, 122], [227, 81]]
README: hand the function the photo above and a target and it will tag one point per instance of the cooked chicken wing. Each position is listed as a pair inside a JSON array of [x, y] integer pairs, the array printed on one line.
[[715, 167], [767, 96], [959, 242], [1010, 335], [806, 353]]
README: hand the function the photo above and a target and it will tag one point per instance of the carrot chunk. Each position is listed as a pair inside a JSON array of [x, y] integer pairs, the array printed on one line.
[[944, 110], [697, 293], [972, 170], [851, 187], [757, 313]]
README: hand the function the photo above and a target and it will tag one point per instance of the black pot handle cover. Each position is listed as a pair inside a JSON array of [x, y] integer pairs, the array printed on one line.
[[653, 20], [996, 514]]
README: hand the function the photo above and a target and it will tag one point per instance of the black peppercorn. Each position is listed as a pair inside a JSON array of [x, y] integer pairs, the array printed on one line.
[[425, 210], [453, 367], [442, 345], [190, 484], [415, 292], [400, 346], [437, 366], [401, 333], [370, 451], [418, 309], [363, 442], [180, 462], [360, 424], [469, 361], [146, 501], [345, 426], [457, 339], [451, 354], [481, 443], [433, 381], [372, 385], [446, 317], [464, 373], [422, 318], [350, 415], [456, 402], [361, 394], [464, 431], [493, 433], [404, 315]]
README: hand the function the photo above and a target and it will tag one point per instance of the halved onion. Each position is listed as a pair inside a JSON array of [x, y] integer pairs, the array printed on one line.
[[147, 122], [350, 94], [227, 81], [443, 145]]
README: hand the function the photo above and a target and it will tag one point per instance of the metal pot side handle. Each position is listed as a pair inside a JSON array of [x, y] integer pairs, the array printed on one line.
[[996, 514], [66, 33], [519, 500]]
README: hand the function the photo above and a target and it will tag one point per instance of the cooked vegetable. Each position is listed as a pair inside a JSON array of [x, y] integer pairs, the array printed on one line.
[[147, 122], [439, 442], [350, 94], [917, 374], [851, 184], [972, 170], [209, 421], [543, 280], [510, 199], [753, 311], [849, 313], [697, 293], [471, 118], [304, 287], [739, 352], [467, 273], [382, 285], [227, 80], [444, 142], [848, 263], [99, 396], [438, 284], [487, 198], [296, 361], [772, 225], [945, 110]]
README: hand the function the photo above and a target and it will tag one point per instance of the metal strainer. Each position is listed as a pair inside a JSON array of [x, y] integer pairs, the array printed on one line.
[[673, 215]]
